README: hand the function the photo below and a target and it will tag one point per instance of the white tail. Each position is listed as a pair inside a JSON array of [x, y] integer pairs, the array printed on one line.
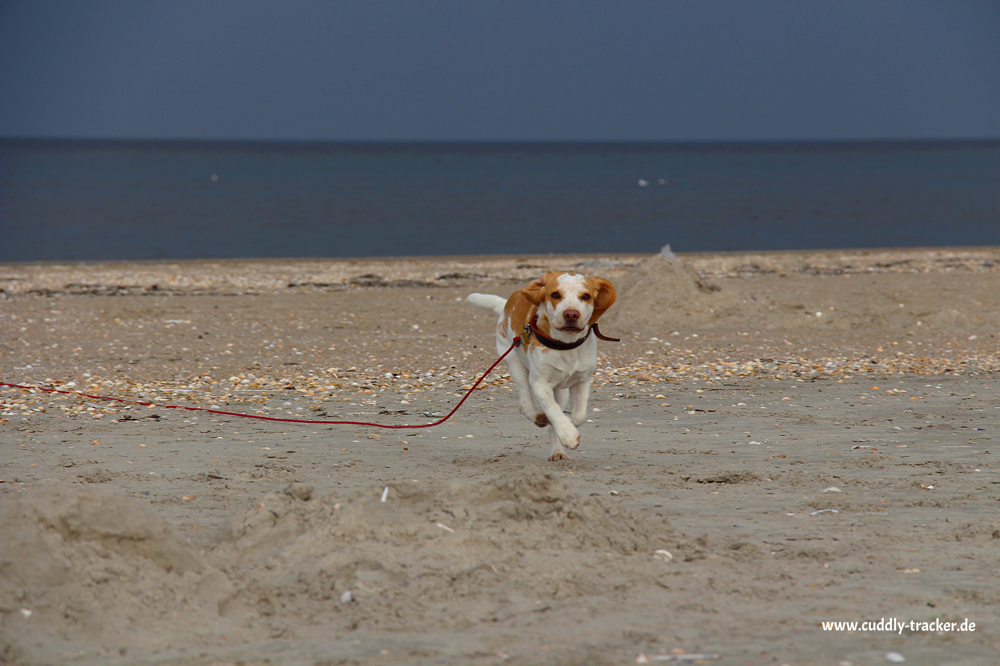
[[487, 302]]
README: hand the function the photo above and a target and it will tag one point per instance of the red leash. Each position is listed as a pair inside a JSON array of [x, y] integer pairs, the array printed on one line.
[[517, 341]]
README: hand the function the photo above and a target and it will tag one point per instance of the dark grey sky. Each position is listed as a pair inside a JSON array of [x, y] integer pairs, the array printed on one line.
[[500, 70]]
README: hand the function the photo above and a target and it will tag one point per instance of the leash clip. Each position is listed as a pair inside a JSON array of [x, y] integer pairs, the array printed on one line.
[[527, 332]]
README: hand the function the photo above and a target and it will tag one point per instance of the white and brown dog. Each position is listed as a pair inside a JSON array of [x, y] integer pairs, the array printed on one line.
[[553, 366]]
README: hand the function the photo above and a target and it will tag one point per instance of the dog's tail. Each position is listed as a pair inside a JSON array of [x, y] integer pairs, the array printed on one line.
[[487, 302]]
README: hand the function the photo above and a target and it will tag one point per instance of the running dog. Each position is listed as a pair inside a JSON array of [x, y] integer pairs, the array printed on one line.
[[556, 319]]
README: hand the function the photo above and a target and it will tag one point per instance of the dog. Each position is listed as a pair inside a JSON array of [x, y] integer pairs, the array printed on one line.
[[556, 318]]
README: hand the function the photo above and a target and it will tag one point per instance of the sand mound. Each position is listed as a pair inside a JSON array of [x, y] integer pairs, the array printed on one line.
[[658, 295], [92, 568], [96, 569], [406, 561], [46, 521]]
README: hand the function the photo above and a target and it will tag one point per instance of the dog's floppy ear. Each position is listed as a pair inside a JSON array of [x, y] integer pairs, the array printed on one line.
[[534, 291], [605, 298]]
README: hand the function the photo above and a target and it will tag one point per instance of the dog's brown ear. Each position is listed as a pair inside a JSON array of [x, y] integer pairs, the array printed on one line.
[[534, 291], [604, 299]]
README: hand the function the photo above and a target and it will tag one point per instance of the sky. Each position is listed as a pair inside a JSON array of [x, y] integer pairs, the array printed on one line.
[[510, 70]]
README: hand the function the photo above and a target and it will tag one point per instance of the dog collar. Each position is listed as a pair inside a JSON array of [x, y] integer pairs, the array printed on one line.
[[531, 329]]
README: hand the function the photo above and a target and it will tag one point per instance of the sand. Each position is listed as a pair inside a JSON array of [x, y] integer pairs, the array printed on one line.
[[780, 440]]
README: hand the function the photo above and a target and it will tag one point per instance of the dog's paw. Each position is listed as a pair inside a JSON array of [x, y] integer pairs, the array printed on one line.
[[558, 456], [570, 437], [541, 420]]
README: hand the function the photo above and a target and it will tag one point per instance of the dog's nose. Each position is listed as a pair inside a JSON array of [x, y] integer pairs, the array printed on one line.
[[571, 316]]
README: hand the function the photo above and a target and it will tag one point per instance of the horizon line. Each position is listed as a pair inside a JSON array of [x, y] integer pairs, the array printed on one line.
[[491, 142]]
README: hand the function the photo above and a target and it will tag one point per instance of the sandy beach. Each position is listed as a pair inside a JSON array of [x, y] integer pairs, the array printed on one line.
[[780, 440]]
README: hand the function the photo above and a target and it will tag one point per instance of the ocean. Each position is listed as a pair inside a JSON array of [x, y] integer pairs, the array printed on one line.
[[67, 200]]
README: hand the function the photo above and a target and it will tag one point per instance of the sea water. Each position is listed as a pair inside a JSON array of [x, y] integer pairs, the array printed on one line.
[[107, 200]]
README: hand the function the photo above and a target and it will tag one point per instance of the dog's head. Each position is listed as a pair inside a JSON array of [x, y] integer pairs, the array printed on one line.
[[570, 302]]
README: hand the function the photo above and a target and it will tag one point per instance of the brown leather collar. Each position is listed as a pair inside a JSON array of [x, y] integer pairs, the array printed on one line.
[[532, 329]]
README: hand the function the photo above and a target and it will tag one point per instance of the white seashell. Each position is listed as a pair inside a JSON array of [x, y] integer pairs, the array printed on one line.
[[664, 555], [832, 489], [346, 597]]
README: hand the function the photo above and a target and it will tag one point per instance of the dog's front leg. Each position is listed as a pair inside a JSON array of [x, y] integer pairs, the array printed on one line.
[[545, 399], [519, 375], [579, 396], [556, 451]]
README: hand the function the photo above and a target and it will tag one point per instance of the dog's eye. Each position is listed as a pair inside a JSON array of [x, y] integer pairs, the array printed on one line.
[[585, 297], [556, 295]]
